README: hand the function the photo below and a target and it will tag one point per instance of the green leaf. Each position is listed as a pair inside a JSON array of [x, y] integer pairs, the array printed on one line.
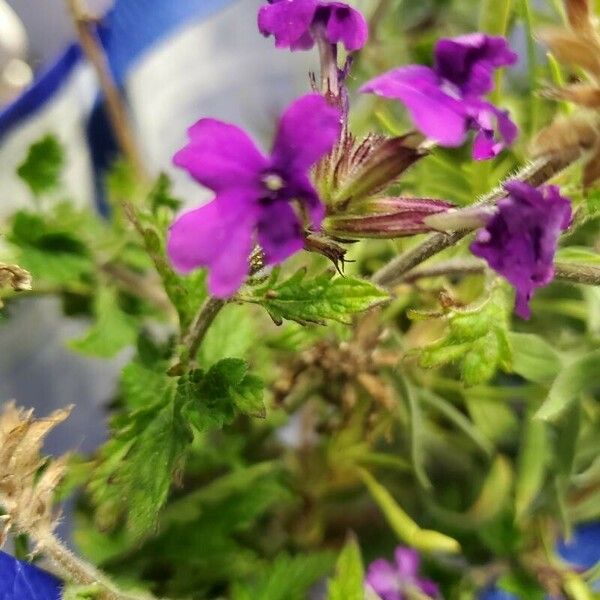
[[317, 299], [43, 166], [148, 446], [578, 254], [348, 583], [532, 465], [578, 376], [477, 338], [49, 249], [113, 330], [161, 197], [287, 578], [403, 526], [228, 385], [534, 358]]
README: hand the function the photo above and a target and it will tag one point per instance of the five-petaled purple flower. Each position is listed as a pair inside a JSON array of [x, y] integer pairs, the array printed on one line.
[[447, 101], [254, 193], [520, 239], [392, 581], [296, 24]]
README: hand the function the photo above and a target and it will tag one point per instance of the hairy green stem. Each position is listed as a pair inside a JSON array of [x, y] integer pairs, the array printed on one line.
[[75, 570], [536, 173]]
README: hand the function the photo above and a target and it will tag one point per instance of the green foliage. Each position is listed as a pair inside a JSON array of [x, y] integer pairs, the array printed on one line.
[[579, 375], [50, 250], [477, 338], [316, 300], [113, 330], [42, 168], [287, 578], [348, 583], [149, 445]]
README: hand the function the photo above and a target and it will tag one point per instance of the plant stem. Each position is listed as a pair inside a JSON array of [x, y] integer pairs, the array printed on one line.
[[536, 173], [572, 272], [75, 570], [329, 68], [577, 273], [117, 110], [200, 325]]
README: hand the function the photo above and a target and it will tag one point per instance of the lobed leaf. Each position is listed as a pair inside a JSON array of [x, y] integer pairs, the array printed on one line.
[[316, 300]]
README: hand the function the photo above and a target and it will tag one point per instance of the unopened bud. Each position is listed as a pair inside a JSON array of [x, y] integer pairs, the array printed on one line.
[[375, 165], [387, 218]]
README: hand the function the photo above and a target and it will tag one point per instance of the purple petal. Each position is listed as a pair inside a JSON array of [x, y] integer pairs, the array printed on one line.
[[469, 61], [519, 242], [435, 113], [383, 579], [428, 587], [496, 130], [218, 236], [408, 562], [301, 189], [308, 130], [279, 232], [221, 156], [343, 24], [289, 21]]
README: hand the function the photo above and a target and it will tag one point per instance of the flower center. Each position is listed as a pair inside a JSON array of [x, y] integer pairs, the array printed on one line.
[[273, 182]]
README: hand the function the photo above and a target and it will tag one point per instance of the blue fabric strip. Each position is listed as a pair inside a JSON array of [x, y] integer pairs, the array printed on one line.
[[129, 30], [23, 581]]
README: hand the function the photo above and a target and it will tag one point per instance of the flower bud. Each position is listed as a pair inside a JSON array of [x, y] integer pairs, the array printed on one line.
[[374, 165], [387, 218]]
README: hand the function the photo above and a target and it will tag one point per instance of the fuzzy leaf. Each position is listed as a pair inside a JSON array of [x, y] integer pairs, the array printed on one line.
[[315, 300], [348, 583], [43, 166], [477, 339], [148, 447]]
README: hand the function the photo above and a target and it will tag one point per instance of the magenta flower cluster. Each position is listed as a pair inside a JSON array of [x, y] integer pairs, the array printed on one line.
[[447, 101], [270, 200], [519, 241], [394, 581]]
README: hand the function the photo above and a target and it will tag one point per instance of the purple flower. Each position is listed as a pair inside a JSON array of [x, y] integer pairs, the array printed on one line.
[[446, 102], [296, 24], [519, 241], [391, 581], [254, 193]]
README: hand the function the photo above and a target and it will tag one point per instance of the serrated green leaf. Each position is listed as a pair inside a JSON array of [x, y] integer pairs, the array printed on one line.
[[578, 376], [113, 330], [317, 299], [138, 464], [476, 339], [42, 168], [348, 583], [534, 359]]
